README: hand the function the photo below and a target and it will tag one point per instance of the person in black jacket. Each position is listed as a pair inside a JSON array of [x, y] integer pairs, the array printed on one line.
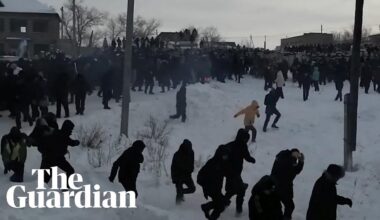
[[149, 70], [128, 166], [181, 169], [288, 164], [270, 101], [339, 79], [324, 198], [106, 86], [54, 154], [306, 86], [238, 150], [181, 103], [265, 203], [62, 94], [366, 76], [81, 87], [268, 78], [210, 178]]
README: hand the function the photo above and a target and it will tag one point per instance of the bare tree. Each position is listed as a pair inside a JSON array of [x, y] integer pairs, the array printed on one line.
[[142, 27], [210, 35], [86, 20], [348, 34], [114, 29]]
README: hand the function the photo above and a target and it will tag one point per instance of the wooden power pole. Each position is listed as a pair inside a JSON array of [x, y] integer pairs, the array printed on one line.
[[352, 98], [75, 29], [62, 22], [127, 70]]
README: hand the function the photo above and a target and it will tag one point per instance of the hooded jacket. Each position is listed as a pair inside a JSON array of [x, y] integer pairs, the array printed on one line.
[[183, 162], [264, 206], [238, 150], [250, 113], [128, 164], [13, 147]]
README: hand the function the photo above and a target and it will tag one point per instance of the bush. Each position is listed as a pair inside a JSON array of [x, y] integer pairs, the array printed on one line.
[[92, 139], [156, 139]]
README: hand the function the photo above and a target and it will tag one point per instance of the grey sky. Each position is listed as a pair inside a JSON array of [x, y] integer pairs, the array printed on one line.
[[238, 19]]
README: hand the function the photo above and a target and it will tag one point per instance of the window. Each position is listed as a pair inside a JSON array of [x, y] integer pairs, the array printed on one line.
[[40, 26], [41, 47], [19, 25], [1, 25]]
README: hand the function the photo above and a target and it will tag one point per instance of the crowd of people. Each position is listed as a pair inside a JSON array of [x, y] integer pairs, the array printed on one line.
[[269, 194], [28, 87]]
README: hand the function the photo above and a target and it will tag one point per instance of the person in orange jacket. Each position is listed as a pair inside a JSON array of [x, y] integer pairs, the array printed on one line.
[[250, 113]]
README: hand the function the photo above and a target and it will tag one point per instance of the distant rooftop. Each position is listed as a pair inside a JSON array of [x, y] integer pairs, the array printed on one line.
[[25, 6]]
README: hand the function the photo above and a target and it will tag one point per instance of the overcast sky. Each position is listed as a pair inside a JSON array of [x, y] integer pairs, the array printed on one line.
[[238, 19]]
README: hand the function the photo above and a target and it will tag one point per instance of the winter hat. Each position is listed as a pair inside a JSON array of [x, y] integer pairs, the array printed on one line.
[[336, 171], [295, 150], [139, 144], [15, 133], [187, 143], [68, 125], [255, 103], [51, 119], [242, 135]]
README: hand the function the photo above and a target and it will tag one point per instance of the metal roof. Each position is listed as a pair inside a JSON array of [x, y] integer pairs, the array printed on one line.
[[25, 6]]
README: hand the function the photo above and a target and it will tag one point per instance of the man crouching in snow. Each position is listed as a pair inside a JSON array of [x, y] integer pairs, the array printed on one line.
[[13, 152], [181, 170], [250, 114]]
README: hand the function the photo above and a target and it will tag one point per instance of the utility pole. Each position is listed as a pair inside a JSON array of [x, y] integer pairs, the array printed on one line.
[[352, 98], [62, 22], [75, 29], [127, 70], [265, 42], [321, 29]]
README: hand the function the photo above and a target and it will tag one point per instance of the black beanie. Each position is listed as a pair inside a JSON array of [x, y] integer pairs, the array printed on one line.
[[139, 144], [68, 125], [336, 171]]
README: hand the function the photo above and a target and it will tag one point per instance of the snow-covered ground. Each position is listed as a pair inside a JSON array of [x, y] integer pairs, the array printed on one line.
[[315, 127]]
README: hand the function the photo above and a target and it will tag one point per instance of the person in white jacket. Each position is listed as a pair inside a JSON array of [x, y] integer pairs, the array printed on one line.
[[280, 82]]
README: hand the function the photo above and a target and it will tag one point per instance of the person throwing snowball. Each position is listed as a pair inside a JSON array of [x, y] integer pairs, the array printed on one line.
[[250, 113]]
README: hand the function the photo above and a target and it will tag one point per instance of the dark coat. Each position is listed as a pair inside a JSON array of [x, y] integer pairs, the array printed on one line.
[[81, 86], [183, 163], [324, 199], [128, 164], [42, 136], [60, 142], [211, 175], [264, 206], [61, 86], [238, 150], [181, 97], [285, 168], [270, 101]]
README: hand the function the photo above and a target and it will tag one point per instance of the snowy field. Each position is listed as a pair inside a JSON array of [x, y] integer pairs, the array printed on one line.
[[315, 127]]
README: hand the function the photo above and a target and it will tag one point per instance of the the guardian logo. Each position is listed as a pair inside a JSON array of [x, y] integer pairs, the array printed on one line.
[[68, 194]]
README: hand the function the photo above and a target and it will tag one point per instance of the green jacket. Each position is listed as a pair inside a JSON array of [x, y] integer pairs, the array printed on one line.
[[13, 151]]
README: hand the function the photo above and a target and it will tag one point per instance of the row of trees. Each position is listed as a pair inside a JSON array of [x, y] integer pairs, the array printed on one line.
[[92, 25], [348, 34]]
